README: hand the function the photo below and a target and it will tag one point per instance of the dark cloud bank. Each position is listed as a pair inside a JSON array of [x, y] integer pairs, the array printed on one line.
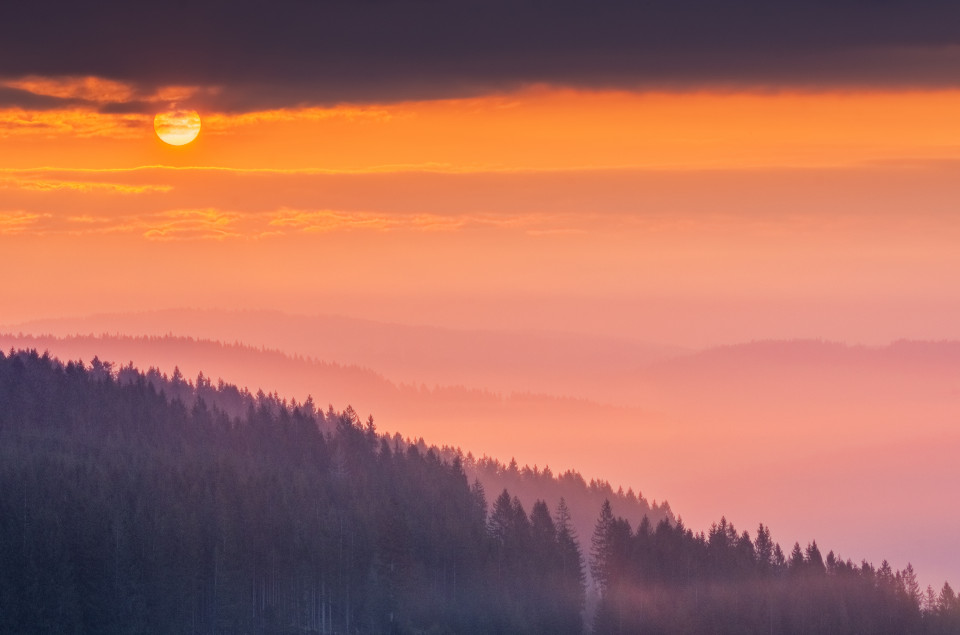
[[270, 54]]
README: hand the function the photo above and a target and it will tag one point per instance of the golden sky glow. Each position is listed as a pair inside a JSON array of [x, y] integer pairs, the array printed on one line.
[[535, 129], [539, 191]]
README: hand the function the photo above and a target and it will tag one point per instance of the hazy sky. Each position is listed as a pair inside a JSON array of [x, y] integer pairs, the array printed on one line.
[[788, 214]]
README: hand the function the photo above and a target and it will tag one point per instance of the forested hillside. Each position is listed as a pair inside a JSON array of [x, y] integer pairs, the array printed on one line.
[[134, 504], [122, 511], [401, 407]]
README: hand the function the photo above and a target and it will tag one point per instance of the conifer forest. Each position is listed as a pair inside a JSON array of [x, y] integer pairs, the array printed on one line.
[[136, 503]]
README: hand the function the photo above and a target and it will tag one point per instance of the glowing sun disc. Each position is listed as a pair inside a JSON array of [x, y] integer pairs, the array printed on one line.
[[177, 127]]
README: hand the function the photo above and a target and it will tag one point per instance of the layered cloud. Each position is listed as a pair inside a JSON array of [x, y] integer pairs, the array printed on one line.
[[178, 224], [90, 93], [253, 55], [681, 219], [219, 224]]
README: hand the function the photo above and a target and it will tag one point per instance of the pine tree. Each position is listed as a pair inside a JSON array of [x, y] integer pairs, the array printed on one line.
[[542, 529], [814, 560], [796, 559], [763, 548], [600, 555], [571, 559], [930, 601], [911, 586], [501, 518], [779, 559], [947, 600]]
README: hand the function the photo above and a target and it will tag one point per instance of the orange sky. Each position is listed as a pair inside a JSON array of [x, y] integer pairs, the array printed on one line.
[[687, 218], [709, 198], [534, 129]]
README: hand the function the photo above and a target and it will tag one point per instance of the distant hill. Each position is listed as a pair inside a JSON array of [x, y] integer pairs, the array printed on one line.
[[501, 361], [906, 358], [810, 378], [799, 434]]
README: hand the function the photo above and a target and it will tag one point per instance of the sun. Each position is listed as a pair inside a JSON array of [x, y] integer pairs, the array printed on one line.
[[177, 127]]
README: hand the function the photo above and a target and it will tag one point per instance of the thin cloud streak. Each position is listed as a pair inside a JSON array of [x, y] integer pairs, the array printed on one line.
[[217, 224], [57, 185], [76, 122], [817, 197], [176, 224], [19, 222], [92, 93], [191, 225], [329, 221]]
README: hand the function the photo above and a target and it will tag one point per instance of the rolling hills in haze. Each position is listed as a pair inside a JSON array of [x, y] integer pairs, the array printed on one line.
[[133, 502], [813, 437], [488, 423], [562, 364], [438, 415]]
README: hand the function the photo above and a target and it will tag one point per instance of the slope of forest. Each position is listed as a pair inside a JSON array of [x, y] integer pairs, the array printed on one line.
[[124, 509], [405, 407]]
